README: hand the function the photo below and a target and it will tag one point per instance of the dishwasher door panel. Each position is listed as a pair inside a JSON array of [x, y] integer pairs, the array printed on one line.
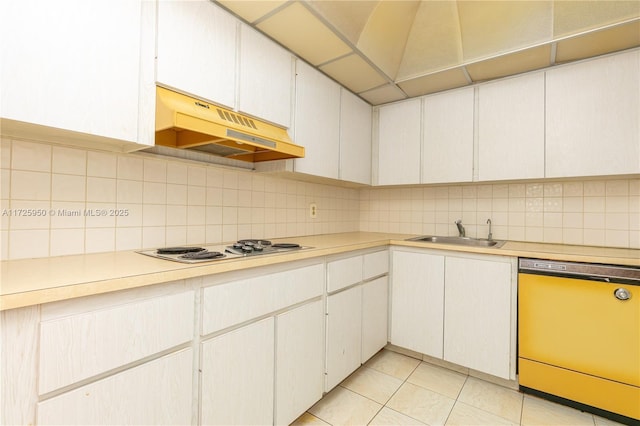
[[581, 326]]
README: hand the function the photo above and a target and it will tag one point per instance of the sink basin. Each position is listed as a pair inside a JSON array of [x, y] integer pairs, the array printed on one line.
[[459, 241]]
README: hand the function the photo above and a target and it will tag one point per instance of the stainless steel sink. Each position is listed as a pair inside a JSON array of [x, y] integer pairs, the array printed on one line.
[[459, 241]]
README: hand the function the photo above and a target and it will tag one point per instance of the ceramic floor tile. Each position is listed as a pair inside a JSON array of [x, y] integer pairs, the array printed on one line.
[[421, 404], [438, 379], [495, 399], [372, 384], [344, 407], [393, 364], [536, 411], [389, 417], [465, 415], [308, 419], [600, 421]]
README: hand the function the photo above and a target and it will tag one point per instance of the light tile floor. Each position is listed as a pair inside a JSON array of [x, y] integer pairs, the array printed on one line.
[[394, 389]]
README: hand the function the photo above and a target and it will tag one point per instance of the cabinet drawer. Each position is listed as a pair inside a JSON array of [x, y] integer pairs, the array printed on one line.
[[376, 264], [158, 392], [238, 301], [343, 273], [80, 346]]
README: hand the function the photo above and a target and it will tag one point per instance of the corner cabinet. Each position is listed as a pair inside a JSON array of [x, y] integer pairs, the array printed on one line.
[[79, 72], [459, 308], [355, 138], [197, 47], [593, 117], [266, 78], [399, 143]]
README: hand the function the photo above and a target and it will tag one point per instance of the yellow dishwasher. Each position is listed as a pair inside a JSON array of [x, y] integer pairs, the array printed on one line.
[[579, 336]]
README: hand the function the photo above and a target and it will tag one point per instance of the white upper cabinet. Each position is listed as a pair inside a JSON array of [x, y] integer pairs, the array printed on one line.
[[265, 78], [447, 151], [355, 139], [399, 143], [511, 129], [77, 66], [197, 50], [593, 117], [317, 122]]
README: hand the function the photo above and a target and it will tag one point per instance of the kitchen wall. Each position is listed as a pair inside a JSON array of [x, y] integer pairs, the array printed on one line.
[[58, 201], [595, 212]]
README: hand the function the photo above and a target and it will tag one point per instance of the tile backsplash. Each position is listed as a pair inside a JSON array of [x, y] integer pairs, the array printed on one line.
[[57, 200]]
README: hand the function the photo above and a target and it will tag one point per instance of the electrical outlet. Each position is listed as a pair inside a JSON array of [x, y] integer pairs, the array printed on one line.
[[313, 210]]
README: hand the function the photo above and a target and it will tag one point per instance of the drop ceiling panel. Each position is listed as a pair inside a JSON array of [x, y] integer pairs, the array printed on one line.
[[496, 27], [251, 10], [384, 37], [571, 17], [600, 42], [347, 17], [434, 41], [436, 82], [383, 95], [354, 73], [298, 29], [514, 63]]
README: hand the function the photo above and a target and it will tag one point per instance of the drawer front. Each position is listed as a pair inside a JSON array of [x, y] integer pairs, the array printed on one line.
[[80, 346], [232, 303], [158, 392], [343, 273], [376, 264]]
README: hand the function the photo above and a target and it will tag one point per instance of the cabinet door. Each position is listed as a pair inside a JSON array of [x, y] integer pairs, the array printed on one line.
[[197, 50], [447, 150], [158, 392], [593, 117], [399, 143], [299, 361], [375, 304], [73, 65], [355, 138], [344, 334], [417, 293], [511, 128], [477, 315], [265, 78], [237, 376], [317, 122]]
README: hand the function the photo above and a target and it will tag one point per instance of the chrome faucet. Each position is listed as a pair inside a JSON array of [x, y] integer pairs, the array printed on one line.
[[490, 236], [461, 230]]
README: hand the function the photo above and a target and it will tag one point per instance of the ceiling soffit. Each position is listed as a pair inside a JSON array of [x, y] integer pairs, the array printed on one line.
[[388, 50]]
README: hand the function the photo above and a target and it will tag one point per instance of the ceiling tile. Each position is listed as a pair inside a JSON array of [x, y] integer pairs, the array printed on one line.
[[490, 28], [436, 82], [354, 73], [434, 41], [250, 10], [599, 42], [348, 17], [384, 37], [298, 29], [514, 63], [383, 95], [571, 17]]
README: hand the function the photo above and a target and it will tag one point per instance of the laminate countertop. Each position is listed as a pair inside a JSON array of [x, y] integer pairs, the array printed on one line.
[[28, 282]]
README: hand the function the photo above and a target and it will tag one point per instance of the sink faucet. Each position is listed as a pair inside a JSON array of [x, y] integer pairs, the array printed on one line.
[[490, 236], [461, 231]]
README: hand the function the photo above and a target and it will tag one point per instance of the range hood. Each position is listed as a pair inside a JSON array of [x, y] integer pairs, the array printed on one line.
[[189, 123]]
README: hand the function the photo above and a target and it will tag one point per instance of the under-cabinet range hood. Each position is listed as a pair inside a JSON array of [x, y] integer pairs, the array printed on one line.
[[189, 123]]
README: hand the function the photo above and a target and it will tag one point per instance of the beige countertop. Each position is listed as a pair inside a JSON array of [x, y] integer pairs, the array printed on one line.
[[28, 282]]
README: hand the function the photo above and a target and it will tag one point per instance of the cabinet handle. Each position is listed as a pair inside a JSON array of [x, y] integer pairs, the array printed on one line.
[[622, 294]]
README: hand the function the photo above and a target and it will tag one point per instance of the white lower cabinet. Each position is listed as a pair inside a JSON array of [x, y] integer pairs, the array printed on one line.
[[237, 376], [375, 308], [299, 361], [460, 308], [344, 334], [417, 293], [158, 392]]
